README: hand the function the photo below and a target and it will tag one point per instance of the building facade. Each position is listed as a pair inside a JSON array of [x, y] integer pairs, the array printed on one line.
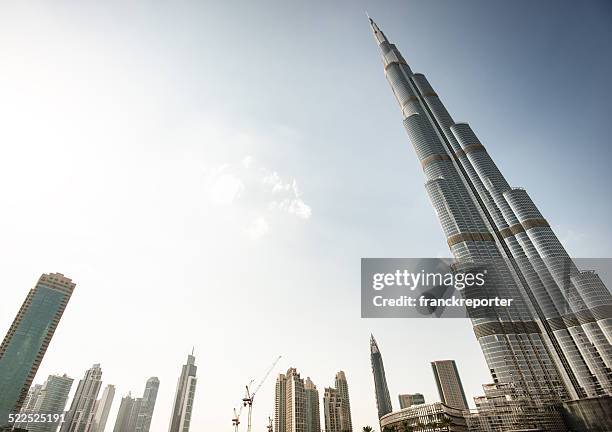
[[383, 399], [81, 411], [449, 383], [26, 342], [337, 406], [126, 408], [101, 410], [553, 343], [311, 406], [149, 397], [296, 404], [185, 394], [433, 417], [50, 400], [408, 400]]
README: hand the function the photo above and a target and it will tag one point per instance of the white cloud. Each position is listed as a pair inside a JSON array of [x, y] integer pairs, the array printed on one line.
[[254, 189], [226, 188], [257, 228]]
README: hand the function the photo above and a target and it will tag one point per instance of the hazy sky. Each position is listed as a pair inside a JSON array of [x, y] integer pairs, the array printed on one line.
[[211, 173]]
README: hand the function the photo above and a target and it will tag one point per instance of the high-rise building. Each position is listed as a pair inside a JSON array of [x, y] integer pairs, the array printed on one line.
[[449, 384], [82, 407], [553, 342], [346, 423], [183, 400], [124, 414], [408, 400], [311, 407], [332, 407], [337, 406], [28, 338], [290, 403], [143, 423], [31, 398], [383, 399], [279, 403], [102, 408], [51, 400]]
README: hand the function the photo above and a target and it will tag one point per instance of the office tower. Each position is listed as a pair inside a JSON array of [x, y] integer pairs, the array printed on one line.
[[279, 403], [149, 397], [553, 343], [26, 342], [51, 399], [290, 403], [101, 410], [346, 424], [383, 399], [449, 384], [332, 407], [408, 400], [124, 414], [311, 407], [82, 407], [183, 401]]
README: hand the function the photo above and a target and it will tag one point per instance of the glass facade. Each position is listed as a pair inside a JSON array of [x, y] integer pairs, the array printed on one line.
[[554, 343], [29, 336]]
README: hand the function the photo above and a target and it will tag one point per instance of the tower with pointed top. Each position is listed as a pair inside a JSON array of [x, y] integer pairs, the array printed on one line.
[[553, 343], [183, 400], [383, 399]]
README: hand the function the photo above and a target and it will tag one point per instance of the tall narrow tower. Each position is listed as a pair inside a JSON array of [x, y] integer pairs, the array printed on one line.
[[346, 423], [50, 401], [101, 410], [553, 343], [383, 399], [28, 338], [81, 410], [183, 400], [148, 405], [449, 383]]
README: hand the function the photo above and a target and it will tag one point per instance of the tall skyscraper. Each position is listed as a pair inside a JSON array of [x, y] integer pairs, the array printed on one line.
[[331, 409], [143, 423], [337, 406], [31, 398], [553, 343], [311, 407], [383, 399], [295, 409], [346, 423], [183, 400], [26, 342], [279, 403], [50, 400], [449, 384], [82, 407], [102, 408], [124, 414], [408, 400]]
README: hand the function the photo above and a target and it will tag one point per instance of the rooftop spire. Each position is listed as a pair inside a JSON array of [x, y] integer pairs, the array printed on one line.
[[378, 34]]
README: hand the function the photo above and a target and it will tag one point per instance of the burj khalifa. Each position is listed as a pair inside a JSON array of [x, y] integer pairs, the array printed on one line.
[[555, 343]]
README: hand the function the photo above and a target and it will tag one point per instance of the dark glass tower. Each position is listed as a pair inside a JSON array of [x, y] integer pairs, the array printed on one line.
[[26, 342], [554, 343], [383, 399]]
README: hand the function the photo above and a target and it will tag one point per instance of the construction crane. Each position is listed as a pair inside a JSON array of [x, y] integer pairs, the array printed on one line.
[[249, 398], [236, 419]]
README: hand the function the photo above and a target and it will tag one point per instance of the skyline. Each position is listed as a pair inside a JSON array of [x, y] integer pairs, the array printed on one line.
[[85, 251]]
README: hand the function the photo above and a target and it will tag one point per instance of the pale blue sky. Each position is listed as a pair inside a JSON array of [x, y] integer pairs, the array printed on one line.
[[125, 128]]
